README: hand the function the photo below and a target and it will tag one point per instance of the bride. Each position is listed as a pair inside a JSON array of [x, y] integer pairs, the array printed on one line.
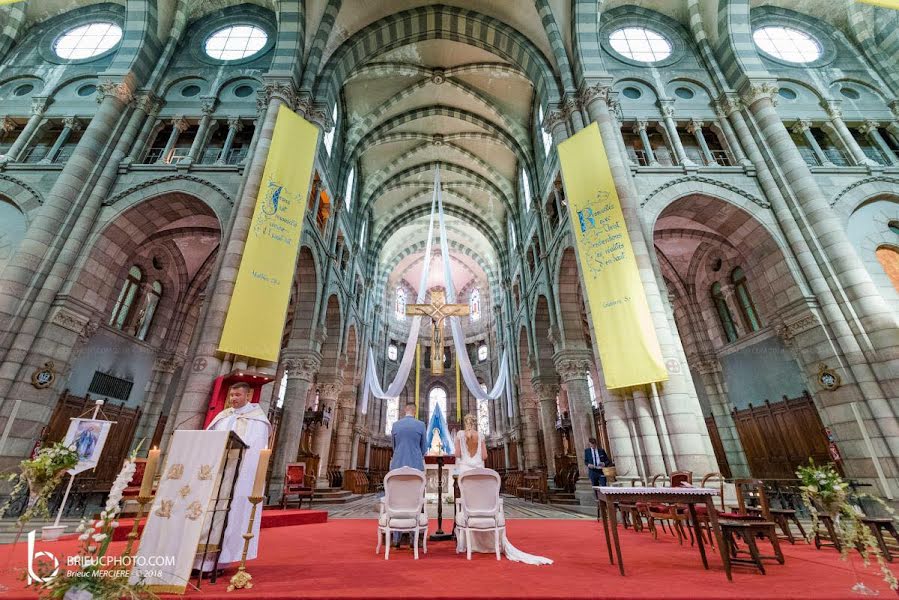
[[471, 450]]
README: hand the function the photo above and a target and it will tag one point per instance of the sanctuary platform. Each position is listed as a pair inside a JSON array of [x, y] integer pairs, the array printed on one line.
[[337, 560], [271, 517]]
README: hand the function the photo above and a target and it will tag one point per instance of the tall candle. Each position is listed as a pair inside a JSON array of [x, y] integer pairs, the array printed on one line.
[[261, 471], [146, 486]]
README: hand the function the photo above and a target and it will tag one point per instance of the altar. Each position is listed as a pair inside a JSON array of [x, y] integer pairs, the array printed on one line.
[[432, 485]]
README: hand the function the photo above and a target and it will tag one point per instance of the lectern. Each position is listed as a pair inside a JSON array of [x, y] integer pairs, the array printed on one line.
[[440, 460]]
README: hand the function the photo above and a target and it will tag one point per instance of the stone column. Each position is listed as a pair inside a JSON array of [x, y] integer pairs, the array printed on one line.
[[328, 392], [530, 422], [733, 142], [733, 305], [179, 125], [301, 370], [709, 370], [667, 109], [547, 389], [835, 113], [39, 106], [70, 124], [695, 127], [870, 129], [207, 105], [234, 127], [803, 127], [573, 367], [354, 450], [679, 401], [346, 419], [640, 129], [149, 106], [205, 358], [163, 369]]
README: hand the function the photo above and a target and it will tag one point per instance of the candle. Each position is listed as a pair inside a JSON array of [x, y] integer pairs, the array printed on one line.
[[146, 486], [261, 472]]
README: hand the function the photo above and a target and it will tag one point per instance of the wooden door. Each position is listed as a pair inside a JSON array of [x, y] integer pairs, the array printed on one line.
[[718, 447], [779, 437]]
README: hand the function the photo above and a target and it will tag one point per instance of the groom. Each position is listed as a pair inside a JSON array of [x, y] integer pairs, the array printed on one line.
[[409, 441]]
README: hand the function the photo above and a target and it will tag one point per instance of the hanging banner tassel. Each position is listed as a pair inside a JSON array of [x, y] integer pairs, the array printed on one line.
[[417, 378], [458, 393]]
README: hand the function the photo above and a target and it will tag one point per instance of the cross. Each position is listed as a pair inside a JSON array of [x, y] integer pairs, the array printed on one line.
[[438, 310]]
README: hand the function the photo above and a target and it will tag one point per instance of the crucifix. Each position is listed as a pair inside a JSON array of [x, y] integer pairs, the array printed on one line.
[[438, 310]]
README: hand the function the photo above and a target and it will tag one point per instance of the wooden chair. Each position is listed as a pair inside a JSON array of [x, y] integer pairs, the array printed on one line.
[[878, 525], [297, 483], [676, 516], [750, 528], [781, 516]]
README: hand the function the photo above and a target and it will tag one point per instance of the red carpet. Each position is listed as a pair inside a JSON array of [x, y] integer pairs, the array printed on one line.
[[337, 560], [270, 518]]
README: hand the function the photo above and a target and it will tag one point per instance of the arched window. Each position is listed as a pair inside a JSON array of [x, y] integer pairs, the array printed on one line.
[[350, 184], [591, 387], [526, 190], [393, 413], [400, 304], [392, 352], [145, 317], [545, 136], [126, 298], [436, 396], [474, 305], [362, 235], [512, 239], [750, 317], [727, 319], [889, 259], [484, 414], [329, 135], [482, 352]]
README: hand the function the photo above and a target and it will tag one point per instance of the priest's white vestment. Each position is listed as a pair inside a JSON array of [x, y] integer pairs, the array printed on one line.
[[253, 427]]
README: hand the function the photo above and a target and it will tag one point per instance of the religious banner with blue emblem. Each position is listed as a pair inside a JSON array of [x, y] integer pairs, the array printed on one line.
[[438, 432], [255, 321], [625, 335]]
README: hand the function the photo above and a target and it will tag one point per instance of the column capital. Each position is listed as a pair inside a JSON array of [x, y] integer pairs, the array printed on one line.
[[573, 364], [301, 365], [727, 104], [894, 106], [280, 89], [869, 126], [207, 104], [6, 124], [180, 123], [321, 116], [833, 108], [546, 388], [801, 126], [754, 91], [640, 125], [552, 119], [39, 105], [596, 91], [666, 107], [235, 123], [72, 123], [149, 102], [329, 390], [694, 125], [168, 363], [118, 89]]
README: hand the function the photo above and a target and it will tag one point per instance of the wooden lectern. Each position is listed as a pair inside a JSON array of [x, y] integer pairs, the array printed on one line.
[[440, 460]]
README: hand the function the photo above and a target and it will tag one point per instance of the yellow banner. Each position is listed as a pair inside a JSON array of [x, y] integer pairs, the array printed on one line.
[[894, 4], [255, 321], [2, 2], [628, 347]]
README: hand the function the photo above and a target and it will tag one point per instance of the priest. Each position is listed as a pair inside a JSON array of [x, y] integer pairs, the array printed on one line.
[[249, 422]]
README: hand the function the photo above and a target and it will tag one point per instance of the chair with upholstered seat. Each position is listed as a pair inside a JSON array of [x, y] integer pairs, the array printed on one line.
[[402, 509], [298, 484], [480, 507]]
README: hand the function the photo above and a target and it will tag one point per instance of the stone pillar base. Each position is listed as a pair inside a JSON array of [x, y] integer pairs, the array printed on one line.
[[583, 491]]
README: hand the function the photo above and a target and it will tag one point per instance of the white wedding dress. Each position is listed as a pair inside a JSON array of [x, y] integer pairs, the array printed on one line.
[[482, 541]]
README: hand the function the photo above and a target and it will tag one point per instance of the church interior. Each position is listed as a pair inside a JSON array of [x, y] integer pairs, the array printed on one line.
[[447, 267]]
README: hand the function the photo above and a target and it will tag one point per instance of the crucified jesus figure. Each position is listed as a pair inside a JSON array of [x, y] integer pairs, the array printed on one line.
[[438, 310]]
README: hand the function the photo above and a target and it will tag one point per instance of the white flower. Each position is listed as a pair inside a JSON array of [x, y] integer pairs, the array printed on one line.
[[80, 528], [114, 524], [83, 537], [99, 537], [98, 524]]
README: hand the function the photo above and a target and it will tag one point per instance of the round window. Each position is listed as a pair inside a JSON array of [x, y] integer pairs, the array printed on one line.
[[787, 44], [640, 44], [190, 91], [850, 93], [632, 93], [243, 91], [87, 90], [684, 92], [24, 89], [787, 93], [236, 42], [86, 41]]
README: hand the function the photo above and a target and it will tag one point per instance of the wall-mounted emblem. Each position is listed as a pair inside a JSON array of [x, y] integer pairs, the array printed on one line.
[[828, 378], [44, 377]]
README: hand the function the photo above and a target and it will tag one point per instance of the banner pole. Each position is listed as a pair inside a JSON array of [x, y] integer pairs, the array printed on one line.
[[417, 378]]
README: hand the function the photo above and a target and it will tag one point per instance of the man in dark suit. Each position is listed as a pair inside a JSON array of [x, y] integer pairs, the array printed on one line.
[[595, 459]]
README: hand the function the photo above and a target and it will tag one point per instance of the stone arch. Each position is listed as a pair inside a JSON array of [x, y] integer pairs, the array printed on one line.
[[542, 331], [332, 323], [13, 223], [437, 22], [570, 303], [851, 197], [216, 198], [867, 227], [23, 196], [305, 312]]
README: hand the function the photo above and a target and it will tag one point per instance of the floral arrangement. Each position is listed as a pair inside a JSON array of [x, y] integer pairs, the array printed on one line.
[[824, 490], [100, 577], [42, 475]]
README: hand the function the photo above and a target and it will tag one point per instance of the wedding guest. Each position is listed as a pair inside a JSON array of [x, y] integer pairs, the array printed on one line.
[[596, 458]]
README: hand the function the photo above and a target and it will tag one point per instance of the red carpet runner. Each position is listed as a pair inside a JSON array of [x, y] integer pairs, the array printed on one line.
[[337, 560], [270, 518]]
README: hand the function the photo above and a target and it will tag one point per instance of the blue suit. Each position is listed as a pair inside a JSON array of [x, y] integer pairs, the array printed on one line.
[[409, 444], [600, 460]]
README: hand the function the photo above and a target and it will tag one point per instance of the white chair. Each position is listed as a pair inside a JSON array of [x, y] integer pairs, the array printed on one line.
[[481, 507], [402, 509]]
